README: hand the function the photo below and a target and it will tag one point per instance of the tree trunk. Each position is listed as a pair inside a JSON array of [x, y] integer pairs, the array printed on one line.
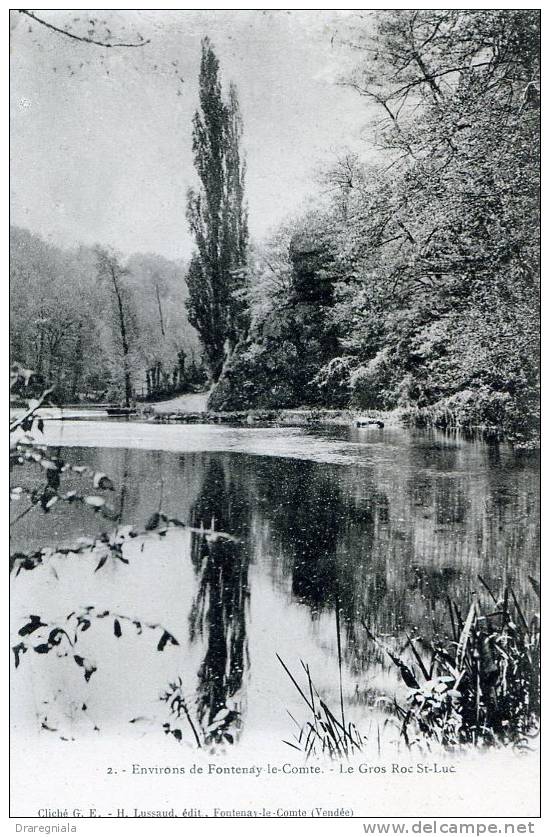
[[181, 367], [77, 368], [124, 339], [160, 311]]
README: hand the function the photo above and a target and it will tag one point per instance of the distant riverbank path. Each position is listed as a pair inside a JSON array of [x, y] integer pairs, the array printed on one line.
[[192, 402]]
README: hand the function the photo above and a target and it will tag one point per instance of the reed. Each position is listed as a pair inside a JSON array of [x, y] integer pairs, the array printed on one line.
[[323, 733], [479, 687]]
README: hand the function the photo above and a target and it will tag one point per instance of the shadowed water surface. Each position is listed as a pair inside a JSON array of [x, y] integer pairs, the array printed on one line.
[[382, 526]]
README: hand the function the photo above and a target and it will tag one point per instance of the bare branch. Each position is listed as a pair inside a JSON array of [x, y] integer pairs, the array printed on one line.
[[81, 38]]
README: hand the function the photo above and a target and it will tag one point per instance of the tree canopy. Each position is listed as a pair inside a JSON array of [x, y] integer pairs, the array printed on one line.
[[434, 248], [66, 320]]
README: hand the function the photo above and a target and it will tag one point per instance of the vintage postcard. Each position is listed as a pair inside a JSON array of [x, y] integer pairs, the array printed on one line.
[[274, 416]]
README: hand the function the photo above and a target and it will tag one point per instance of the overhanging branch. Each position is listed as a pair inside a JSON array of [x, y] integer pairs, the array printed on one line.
[[81, 38]]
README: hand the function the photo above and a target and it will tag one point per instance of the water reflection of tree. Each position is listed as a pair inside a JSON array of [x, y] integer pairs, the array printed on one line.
[[304, 506], [220, 609], [382, 548], [386, 546], [124, 484], [314, 513]]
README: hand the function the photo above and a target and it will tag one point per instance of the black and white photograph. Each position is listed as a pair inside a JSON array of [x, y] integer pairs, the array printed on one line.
[[274, 414]]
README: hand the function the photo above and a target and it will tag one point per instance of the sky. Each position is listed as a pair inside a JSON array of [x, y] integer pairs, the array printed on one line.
[[101, 138]]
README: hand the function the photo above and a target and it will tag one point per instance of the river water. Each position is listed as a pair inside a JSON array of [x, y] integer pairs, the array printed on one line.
[[332, 530]]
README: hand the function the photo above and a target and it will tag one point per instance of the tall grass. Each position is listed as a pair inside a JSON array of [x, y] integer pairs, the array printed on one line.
[[481, 686], [478, 686], [323, 732]]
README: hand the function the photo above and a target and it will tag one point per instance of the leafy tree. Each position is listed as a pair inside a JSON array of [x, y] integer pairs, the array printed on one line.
[[167, 347], [291, 334], [111, 271], [66, 323], [53, 328], [422, 288], [438, 251], [217, 218]]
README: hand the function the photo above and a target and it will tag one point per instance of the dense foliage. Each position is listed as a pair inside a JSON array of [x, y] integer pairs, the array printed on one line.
[[292, 334], [68, 321], [432, 251]]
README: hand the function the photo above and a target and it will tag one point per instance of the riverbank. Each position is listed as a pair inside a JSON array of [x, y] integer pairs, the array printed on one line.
[[523, 439], [299, 417], [191, 409], [324, 417]]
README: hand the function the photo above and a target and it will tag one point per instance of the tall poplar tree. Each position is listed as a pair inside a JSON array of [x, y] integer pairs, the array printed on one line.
[[217, 217]]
